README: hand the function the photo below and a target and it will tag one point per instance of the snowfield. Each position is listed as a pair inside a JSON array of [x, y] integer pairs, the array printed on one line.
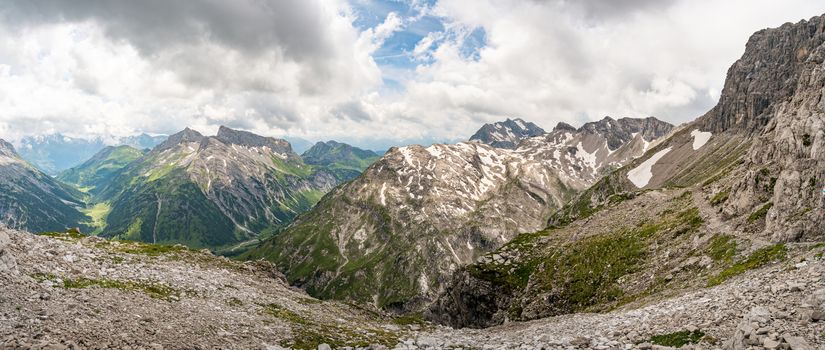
[[700, 138], [641, 175]]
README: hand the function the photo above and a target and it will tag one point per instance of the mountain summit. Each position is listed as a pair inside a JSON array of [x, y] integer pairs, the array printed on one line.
[[248, 139], [506, 134]]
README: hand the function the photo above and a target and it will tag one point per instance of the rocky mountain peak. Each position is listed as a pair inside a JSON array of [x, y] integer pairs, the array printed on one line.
[[7, 149], [774, 63], [619, 132], [507, 134], [186, 135], [562, 126], [246, 138]]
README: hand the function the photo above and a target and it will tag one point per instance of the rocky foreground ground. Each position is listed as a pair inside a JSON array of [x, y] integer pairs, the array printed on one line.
[[73, 292]]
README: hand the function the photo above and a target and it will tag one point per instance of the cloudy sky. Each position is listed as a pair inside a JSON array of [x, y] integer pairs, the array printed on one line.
[[370, 72]]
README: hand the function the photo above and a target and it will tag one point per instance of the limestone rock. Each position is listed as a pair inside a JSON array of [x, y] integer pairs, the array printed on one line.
[[7, 262]]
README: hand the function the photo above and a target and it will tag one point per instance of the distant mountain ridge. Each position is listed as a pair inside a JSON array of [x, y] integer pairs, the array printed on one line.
[[507, 134], [346, 161], [55, 153], [392, 236], [32, 200], [213, 191]]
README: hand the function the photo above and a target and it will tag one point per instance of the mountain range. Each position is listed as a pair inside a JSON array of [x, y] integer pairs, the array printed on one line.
[[55, 153], [202, 191], [393, 236]]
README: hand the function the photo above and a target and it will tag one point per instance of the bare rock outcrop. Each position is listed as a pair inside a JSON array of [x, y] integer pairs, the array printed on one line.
[[7, 263]]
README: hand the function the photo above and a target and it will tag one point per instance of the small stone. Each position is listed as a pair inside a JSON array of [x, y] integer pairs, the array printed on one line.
[[797, 343], [770, 344], [580, 341], [645, 346], [796, 287], [324, 346]]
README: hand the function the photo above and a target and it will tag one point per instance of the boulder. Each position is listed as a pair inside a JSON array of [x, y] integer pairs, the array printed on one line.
[[797, 343]]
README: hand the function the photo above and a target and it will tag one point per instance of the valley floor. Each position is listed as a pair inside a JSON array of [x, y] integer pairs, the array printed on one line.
[[74, 292]]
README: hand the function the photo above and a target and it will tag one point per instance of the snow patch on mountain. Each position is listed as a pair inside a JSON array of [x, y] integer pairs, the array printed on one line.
[[700, 138], [7, 160], [641, 175]]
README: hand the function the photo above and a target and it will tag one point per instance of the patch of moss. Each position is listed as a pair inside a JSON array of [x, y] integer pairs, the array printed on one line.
[[720, 197], [309, 301], [411, 319], [307, 334], [690, 221], [234, 302], [722, 248], [152, 289], [149, 249], [757, 259], [585, 274], [678, 339], [339, 337], [760, 213], [71, 234], [40, 277]]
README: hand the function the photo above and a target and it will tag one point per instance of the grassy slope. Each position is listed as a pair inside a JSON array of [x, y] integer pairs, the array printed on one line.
[[99, 170]]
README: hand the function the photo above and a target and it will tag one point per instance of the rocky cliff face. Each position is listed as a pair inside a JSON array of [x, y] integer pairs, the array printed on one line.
[[779, 84], [393, 236], [212, 191], [30, 199], [752, 165], [507, 134]]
